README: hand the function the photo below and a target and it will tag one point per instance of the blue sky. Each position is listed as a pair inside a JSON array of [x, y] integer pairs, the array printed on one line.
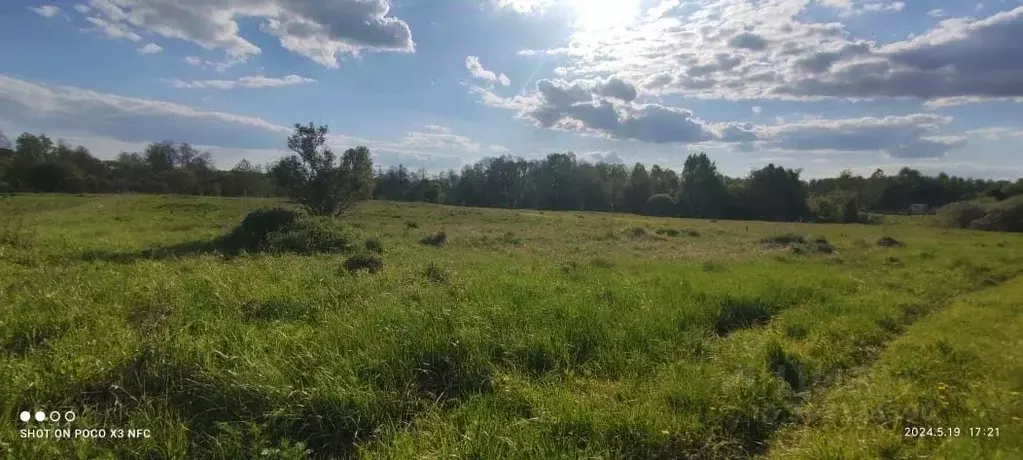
[[822, 85]]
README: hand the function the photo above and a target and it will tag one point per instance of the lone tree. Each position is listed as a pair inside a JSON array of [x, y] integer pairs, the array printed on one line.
[[315, 177]]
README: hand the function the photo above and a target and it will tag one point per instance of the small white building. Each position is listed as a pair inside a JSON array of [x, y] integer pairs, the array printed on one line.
[[919, 208]]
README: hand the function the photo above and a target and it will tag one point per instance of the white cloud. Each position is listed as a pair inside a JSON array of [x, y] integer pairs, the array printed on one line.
[[193, 61], [473, 65], [113, 29], [151, 48], [579, 107], [438, 129], [757, 109], [257, 81], [84, 9], [936, 13], [321, 30], [768, 49], [911, 136], [63, 108], [46, 11]]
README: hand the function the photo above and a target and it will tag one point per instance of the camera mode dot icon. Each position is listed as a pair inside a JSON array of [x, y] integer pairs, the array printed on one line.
[[25, 416], [40, 416]]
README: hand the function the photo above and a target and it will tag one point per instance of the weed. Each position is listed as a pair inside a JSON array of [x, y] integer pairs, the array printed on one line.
[[889, 242], [784, 239], [435, 274], [365, 261], [437, 239], [374, 245]]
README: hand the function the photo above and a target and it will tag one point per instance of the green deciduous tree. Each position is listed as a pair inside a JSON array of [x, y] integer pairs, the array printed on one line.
[[317, 179]]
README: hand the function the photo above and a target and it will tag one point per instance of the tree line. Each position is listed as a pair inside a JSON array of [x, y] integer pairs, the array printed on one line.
[[559, 181]]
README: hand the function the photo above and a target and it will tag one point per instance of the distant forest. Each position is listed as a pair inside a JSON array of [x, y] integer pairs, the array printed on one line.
[[561, 181]]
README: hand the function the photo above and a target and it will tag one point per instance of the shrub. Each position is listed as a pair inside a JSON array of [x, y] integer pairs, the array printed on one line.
[[660, 204], [818, 245], [437, 239], [637, 232], [316, 178], [668, 232], [364, 261], [960, 214], [838, 207], [252, 233], [692, 233], [1003, 216], [822, 245], [436, 274], [374, 245], [1007, 215], [784, 239], [281, 230], [411, 224], [889, 242]]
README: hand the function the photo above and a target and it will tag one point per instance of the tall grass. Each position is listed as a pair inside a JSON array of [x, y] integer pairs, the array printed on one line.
[[497, 351]]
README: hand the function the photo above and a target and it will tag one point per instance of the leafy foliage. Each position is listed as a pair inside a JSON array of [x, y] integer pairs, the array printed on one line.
[[436, 239], [319, 181], [1004, 216], [281, 230], [368, 261], [560, 181]]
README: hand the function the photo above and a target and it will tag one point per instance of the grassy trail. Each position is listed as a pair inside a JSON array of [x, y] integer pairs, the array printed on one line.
[[950, 388]]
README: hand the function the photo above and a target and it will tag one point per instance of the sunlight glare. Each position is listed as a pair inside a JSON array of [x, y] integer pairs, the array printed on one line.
[[595, 15]]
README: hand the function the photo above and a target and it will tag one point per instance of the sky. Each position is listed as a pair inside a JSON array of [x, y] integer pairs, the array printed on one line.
[[819, 85]]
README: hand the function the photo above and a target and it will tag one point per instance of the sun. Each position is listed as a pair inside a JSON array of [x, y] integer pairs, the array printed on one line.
[[596, 15]]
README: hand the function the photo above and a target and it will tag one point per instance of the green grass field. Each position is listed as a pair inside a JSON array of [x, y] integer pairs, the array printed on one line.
[[528, 335]]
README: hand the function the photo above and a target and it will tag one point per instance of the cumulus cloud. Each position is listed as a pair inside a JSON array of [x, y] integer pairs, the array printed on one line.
[[911, 136], [437, 128], [46, 11], [578, 106], [113, 29], [257, 81], [193, 61], [602, 157], [959, 58], [84, 9], [62, 108], [151, 48], [599, 107], [473, 65], [769, 49], [321, 30]]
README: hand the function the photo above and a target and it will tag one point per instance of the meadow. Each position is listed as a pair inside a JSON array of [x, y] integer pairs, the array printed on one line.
[[524, 335]]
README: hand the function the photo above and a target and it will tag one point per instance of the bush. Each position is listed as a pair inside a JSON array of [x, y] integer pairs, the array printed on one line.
[[822, 245], [316, 178], [257, 225], [784, 239], [660, 204], [1007, 215], [1003, 216], [692, 233], [374, 245], [889, 242], [637, 232], [668, 232], [411, 224], [364, 261], [437, 239], [960, 214], [836, 207], [281, 230], [436, 274]]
